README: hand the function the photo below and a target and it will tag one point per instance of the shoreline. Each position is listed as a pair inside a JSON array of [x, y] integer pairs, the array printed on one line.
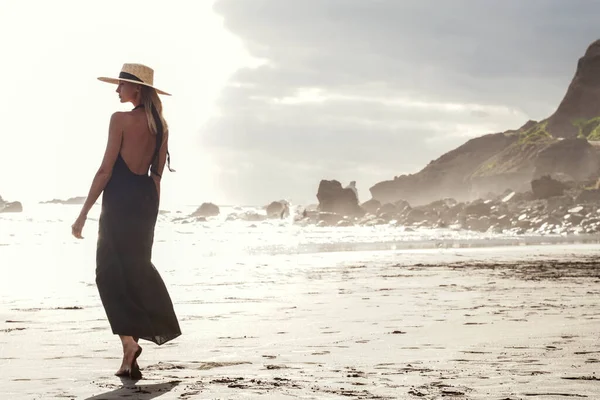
[[220, 237]]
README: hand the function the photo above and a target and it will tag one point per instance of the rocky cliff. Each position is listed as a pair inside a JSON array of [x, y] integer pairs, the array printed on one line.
[[582, 100], [445, 177], [559, 146]]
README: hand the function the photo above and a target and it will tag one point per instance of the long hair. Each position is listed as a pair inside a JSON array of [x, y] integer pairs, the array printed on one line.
[[156, 122], [150, 98]]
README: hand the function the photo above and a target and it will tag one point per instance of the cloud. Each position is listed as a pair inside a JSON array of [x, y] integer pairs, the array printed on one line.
[[365, 90]]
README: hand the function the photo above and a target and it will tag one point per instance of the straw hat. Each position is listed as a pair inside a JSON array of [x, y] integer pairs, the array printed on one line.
[[135, 73]]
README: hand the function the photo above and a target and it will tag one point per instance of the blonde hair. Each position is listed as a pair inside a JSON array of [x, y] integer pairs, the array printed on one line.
[[156, 122], [150, 98]]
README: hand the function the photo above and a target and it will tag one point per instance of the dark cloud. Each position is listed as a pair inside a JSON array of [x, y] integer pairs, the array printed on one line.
[[364, 90]]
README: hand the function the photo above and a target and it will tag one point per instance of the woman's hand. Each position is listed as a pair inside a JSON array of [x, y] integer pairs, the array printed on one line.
[[77, 227]]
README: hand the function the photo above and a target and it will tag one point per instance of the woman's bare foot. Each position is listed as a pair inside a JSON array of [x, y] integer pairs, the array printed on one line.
[[129, 365]]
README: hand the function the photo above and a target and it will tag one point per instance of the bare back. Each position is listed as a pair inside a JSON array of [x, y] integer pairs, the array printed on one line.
[[139, 143]]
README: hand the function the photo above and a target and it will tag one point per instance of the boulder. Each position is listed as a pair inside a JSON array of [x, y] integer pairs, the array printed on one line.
[[306, 214], [352, 186], [588, 196], [558, 203], [549, 222], [501, 222], [11, 207], [415, 216], [206, 210], [278, 209], [479, 224], [478, 208], [574, 218], [371, 206], [507, 196], [402, 206], [546, 187], [367, 219], [450, 215], [333, 198], [387, 208]]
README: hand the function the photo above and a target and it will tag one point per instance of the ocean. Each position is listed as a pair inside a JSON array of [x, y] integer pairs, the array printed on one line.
[[42, 263], [222, 235]]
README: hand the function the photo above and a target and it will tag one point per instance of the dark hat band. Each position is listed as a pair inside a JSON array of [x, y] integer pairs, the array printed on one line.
[[131, 77]]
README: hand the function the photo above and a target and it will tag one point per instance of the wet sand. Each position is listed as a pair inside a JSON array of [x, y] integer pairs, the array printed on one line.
[[503, 323]]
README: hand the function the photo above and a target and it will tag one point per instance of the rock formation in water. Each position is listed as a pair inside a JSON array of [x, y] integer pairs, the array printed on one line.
[[553, 207], [206, 210], [565, 144], [352, 186], [278, 209], [10, 206], [72, 200], [333, 198]]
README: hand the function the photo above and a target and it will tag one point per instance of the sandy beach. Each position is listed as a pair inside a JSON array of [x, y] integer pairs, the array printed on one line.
[[498, 323]]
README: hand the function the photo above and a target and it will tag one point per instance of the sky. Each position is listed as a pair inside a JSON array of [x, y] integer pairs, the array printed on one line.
[[271, 96]]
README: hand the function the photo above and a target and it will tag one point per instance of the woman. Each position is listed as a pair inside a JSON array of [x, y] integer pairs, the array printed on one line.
[[133, 294]]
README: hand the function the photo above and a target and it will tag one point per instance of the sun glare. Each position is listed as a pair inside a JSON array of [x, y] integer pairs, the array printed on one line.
[[55, 152]]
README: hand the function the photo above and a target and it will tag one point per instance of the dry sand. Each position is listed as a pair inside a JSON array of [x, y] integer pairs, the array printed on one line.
[[503, 323]]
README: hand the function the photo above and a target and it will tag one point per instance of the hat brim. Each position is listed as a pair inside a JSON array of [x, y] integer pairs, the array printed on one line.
[[117, 80]]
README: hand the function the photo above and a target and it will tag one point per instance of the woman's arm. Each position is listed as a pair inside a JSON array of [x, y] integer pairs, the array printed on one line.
[[115, 136]]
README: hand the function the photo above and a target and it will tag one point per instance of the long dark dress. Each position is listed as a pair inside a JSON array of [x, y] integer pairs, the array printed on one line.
[[132, 291]]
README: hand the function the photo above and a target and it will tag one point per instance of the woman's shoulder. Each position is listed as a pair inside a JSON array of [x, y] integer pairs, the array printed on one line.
[[117, 117], [123, 114], [121, 117], [124, 121]]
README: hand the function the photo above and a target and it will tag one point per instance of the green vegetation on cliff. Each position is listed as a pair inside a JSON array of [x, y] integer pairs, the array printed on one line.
[[519, 156], [588, 128], [535, 134]]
